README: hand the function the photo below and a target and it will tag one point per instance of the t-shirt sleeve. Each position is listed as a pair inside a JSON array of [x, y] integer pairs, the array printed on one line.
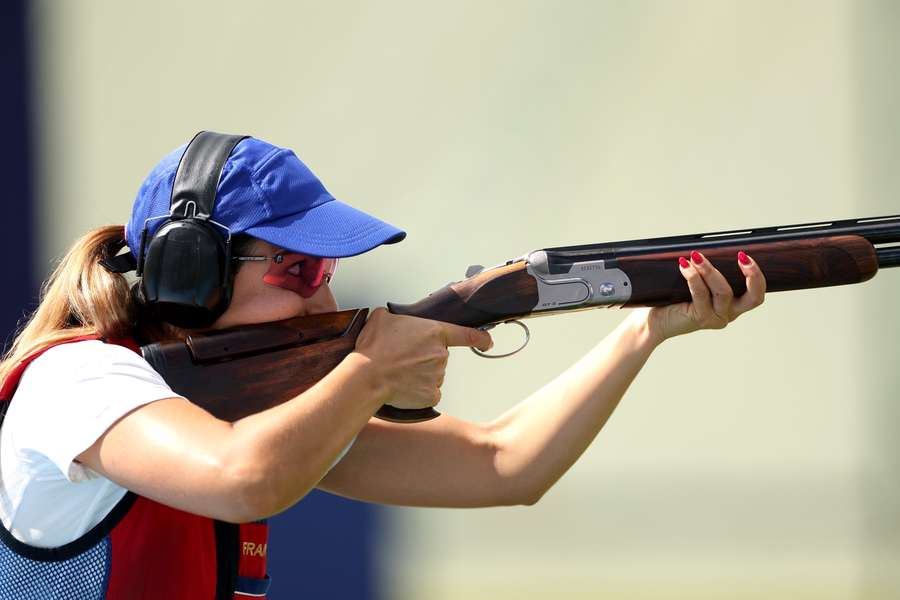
[[70, 395]]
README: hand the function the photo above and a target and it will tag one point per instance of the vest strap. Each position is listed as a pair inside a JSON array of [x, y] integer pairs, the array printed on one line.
[[252, 587], [252, 579]]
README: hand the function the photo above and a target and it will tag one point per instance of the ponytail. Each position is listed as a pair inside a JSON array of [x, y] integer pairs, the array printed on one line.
[[80, 298]]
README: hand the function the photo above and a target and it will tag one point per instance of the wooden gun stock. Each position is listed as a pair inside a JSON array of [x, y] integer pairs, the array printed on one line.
[[243, 370]]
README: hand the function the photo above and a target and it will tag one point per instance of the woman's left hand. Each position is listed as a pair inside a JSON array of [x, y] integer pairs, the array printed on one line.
[[713, 304]]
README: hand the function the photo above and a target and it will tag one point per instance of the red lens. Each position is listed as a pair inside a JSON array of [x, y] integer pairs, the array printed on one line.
[[300, 273], [315, 270]]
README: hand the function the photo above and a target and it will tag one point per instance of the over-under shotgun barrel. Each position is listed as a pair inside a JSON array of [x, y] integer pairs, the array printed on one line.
[[645, 272]]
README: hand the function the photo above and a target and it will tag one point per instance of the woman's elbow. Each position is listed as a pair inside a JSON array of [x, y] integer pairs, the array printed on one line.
[[529, 495], [246, 494], [531, 500], [513, 494], [518, 485], [258, 484], [518, 489], [251, 491]]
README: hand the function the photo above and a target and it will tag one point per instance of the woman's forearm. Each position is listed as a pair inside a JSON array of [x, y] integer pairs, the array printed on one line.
[[288, 449], [519, 456], [542, 436]]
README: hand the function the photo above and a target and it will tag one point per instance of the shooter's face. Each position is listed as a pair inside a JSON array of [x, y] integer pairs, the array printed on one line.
[[256, 301]]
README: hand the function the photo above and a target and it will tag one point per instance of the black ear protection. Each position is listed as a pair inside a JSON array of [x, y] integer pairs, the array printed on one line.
[[185, 267]]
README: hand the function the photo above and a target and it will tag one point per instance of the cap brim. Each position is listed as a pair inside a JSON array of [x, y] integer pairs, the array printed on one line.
[[333, 229]]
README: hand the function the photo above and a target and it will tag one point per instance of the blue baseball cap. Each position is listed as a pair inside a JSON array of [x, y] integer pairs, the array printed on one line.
[[268, 193]]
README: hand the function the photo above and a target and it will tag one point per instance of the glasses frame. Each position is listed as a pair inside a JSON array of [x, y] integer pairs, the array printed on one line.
[[279, 258]]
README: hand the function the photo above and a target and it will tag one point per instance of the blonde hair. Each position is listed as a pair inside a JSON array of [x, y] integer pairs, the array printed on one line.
[[80, 298]]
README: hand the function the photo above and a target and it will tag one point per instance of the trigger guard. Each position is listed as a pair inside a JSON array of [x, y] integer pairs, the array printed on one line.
[[516, 351]]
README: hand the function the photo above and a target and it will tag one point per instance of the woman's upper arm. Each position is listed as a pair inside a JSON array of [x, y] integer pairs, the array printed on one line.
[[176, 453], [101, 406]]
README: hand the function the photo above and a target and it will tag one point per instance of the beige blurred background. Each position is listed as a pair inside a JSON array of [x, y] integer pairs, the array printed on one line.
[[756, 462]]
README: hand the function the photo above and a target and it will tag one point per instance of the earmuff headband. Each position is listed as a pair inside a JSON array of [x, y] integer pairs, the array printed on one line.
[[198, 174]]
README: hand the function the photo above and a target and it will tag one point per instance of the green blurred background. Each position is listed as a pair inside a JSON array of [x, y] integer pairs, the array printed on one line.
[[755, 462]]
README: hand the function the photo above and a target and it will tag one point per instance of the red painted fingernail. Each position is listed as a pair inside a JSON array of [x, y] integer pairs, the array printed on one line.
[[695, 256], [683, 262], [743, 258]]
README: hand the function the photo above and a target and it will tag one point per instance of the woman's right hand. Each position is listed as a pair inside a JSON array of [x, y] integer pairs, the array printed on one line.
[[409, 355]]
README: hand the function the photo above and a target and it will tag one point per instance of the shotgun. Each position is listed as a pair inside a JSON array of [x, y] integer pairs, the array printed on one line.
[[242, 370]]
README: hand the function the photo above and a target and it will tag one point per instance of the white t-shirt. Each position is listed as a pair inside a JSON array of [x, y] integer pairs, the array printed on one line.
[[67, 398]]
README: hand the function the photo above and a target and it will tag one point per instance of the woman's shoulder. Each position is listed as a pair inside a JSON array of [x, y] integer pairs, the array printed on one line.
[[87, 359], [81, 352]]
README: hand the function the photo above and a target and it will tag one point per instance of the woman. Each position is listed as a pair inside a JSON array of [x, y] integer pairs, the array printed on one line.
[[117, 487]]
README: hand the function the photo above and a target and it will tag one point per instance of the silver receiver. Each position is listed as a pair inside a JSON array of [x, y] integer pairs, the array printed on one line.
[[588, 283]]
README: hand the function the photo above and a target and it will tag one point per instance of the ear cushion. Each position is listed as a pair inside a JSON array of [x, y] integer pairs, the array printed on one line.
[[186, 278]]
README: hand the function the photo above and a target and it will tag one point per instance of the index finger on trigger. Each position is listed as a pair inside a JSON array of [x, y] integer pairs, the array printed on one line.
[[457, 335]]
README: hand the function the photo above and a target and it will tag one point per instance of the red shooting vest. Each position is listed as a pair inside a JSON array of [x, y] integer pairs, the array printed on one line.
[[142, 550]]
